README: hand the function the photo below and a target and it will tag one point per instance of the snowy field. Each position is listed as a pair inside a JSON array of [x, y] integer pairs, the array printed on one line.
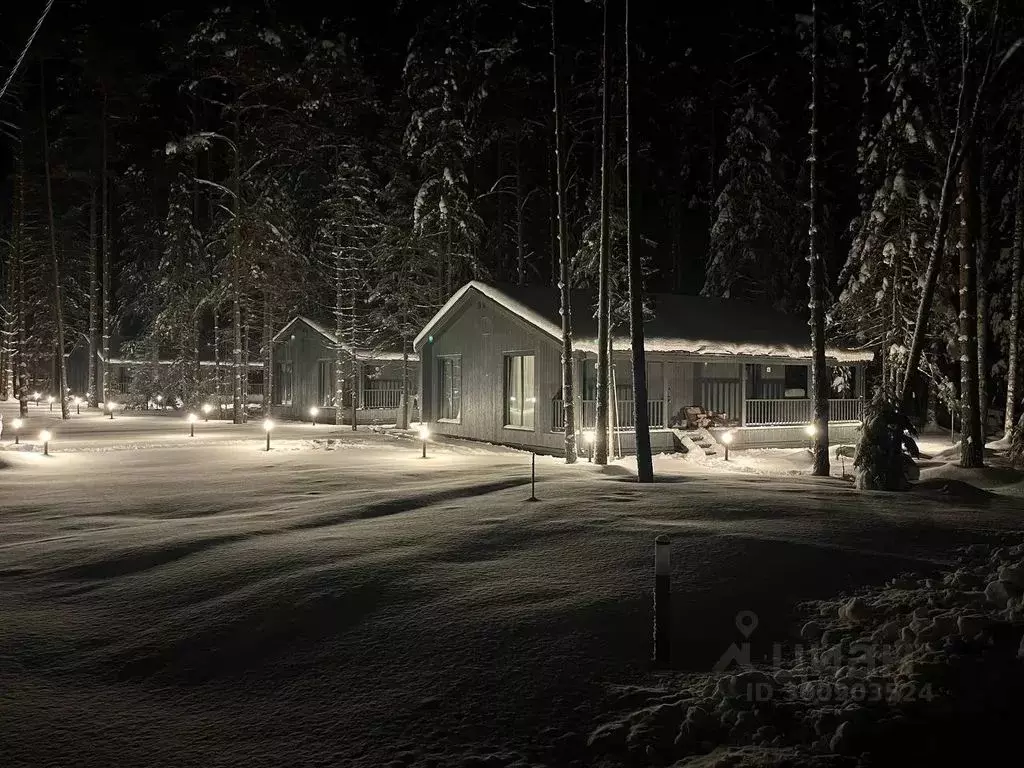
[[340, 601]]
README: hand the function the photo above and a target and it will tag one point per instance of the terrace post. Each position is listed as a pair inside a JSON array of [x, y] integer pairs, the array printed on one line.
[[743, 394]]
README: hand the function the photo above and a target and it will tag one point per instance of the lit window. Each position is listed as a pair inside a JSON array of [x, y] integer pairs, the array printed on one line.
[[450, 387], [520, 400]]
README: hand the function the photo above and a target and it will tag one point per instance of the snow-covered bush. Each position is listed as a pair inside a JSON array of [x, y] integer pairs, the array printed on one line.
[[887, 449]]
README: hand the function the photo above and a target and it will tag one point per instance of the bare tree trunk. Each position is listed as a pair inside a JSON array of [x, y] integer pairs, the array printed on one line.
[[236, 285], [971, 443], [18, 232], [641, 424], [816, 280], [107, 241], [58, 301], [94, 302], [565, 309], [216, 354], [246, 335], [403, 405], [981, 272], [339, 330], [1013, 360], [268, 351], [354, 365], [520, 222], [603, 358]]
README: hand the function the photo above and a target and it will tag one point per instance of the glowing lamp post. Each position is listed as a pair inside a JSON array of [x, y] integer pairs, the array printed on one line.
[[192, 425], [78, 405], [49, 399], [727, 441], [588, 438], [313, 413], [111, 407], [206, 411], [44, 438], [424, 434], [35, 396], [17, 424], [811, 430], [268, 425]]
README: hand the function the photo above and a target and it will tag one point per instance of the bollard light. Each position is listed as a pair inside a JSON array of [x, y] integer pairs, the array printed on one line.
[[35, 396], [78, 405], [588, 438], [49, 399], [727, 441], [313, 413], [424, 434], [17, 424], [44, 438], [268, 425], [192, 425], [811, 430], [111, 407], [206, 411]]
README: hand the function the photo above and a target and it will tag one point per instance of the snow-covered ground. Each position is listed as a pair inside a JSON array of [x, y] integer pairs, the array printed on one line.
[[167, 601]]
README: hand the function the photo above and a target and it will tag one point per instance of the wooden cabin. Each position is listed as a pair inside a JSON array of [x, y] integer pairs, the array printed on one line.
[[305, 376], [491, 370]]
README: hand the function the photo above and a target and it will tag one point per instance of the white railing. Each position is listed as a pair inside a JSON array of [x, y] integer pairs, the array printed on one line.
[[799, 411], [588, 418], [382, 398]]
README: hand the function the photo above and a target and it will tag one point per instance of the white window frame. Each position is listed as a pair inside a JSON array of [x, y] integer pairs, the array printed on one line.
[[506, 368], [442, 360]]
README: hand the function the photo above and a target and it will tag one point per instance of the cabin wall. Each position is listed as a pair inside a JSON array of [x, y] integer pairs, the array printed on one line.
[[482, 333]]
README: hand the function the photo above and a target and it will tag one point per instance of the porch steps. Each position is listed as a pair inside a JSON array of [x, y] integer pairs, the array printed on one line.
[[699, 439]]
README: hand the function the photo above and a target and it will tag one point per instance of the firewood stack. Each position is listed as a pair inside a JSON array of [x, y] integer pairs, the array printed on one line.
[[695, 417]]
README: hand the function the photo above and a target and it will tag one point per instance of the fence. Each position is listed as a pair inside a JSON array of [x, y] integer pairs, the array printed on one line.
[[800, 411]]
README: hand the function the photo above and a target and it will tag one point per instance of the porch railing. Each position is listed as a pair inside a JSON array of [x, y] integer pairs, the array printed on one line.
[[587, 418], [382, 398], [798, 411]]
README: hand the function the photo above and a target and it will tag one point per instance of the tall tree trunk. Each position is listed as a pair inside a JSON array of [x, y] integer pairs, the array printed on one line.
[[94, 302], [1013, 360], [339, 334], [267, 351], [18, 233], [236, 284], [982, 253], [816, 280], [642, 427], [107, 242], [565, 310], [972, 445], [58, 300], [403, 405], [246, 336], [355, 365], [520, 221], [216, 354], [603, 358]]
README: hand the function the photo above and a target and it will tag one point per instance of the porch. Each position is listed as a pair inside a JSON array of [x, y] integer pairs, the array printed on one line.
[[763, 395]]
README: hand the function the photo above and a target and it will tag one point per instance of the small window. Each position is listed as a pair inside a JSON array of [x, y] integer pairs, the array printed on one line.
[[450, 390], [520, 398], [796, 381]]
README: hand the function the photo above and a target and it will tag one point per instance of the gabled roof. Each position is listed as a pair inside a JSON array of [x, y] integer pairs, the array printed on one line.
[[332, 340], [692, 324]]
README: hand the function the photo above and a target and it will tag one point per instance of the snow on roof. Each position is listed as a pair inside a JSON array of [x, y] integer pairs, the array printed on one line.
[[693, 325], [150, 361], [366, 354]]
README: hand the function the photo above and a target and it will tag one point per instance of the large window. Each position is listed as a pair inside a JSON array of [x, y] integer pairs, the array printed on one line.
[[282, 383], [520, 398], [450, 387], [325, 383]]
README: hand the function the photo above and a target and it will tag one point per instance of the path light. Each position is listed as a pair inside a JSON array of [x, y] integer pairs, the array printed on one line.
[[49, 399], [726, 441], [35, 396], [206, 411], [424, 434], [313, 413], [268, 425], [111, 407], [17, 424], [192, 425], [588, 438], [811, 430], [44, 438], [78, 405]]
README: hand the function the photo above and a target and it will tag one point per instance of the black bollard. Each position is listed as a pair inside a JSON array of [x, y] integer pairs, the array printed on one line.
[[662, 601], [533, 476]]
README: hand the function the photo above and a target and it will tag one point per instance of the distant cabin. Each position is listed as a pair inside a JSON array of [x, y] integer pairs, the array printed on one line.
[[491, 371], [305, 375]]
